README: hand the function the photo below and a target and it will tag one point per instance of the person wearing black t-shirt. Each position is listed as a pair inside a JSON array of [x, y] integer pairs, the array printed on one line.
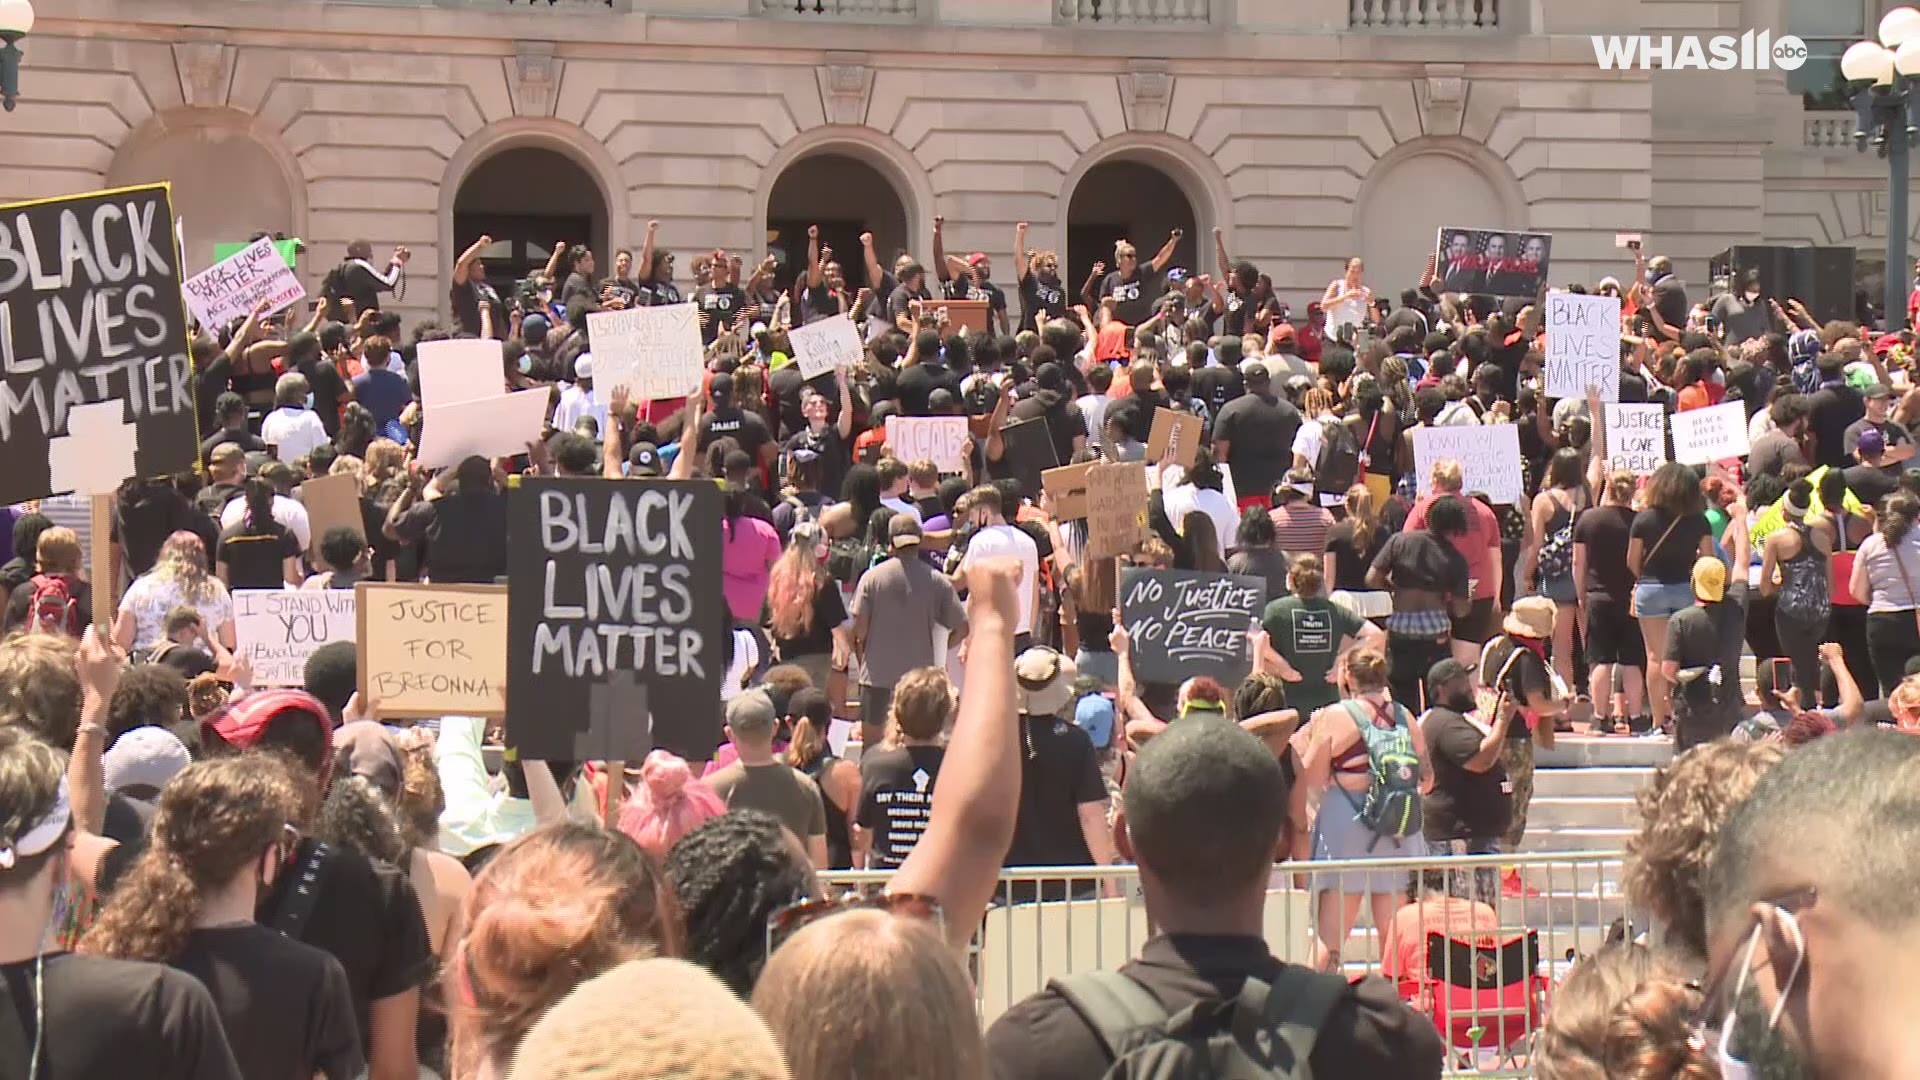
[[359, 282], [896, 783], [720, 302], [231, 409], [1038, 273], [1134, 286], [465, 530], [968, 279], [912, 287], [1063, 800], [1832, 410], [1665, 540], [923, 373], [72, 1017], [258, 552], [470, 292], [1471, 804], [621, 288]]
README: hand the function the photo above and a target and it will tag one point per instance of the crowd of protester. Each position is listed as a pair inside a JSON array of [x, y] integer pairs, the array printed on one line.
[[201, 878]]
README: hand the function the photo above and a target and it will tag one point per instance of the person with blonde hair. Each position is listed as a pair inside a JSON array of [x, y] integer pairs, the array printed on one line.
[[1307, 635], [897, 778], [1625, 1013], [903, 1005], [56, 598], [658, 1019], [806, 615], [1354, 542], [179, 576], [219, 838]]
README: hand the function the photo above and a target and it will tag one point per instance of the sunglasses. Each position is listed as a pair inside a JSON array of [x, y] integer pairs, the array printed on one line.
[[789, 920]]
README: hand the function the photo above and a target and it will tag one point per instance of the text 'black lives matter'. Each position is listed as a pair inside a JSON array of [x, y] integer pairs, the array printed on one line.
[[90, 311], [614, 585], [1186, 623]]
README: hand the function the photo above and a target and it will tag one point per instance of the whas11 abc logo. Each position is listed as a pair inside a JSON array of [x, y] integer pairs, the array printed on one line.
[[1751, 51]]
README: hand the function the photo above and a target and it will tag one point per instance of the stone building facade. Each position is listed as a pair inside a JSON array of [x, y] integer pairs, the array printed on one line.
[[1308, 130]]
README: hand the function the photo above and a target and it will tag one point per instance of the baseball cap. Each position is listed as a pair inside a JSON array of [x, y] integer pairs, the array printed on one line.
[[1872, 442], [1875, 390], [1177, 275], [534, 329], [903, 532], [583, 367], [366, 749], [1443, 673], [1709, 579], [1885, 343], [976, 258], [146, 757], [644, 460], [1284, 332], [1045, 679], [226, 452], [1094, 715], [751, 713], [1254, 371]]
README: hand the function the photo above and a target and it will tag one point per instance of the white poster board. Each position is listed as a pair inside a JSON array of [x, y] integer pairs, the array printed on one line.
[[828, 345], [1711, 434], [1583, 345], [278, 629], [491, 427], [230, 288], [654, 351], [939, 439], [1636, 437], [1489, 457], [459, 369]]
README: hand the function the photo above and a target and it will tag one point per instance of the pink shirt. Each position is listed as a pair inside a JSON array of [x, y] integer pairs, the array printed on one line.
[[747, 564], [1481, 544]]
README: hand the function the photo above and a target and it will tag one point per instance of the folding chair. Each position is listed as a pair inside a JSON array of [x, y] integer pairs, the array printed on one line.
[[1486, 994]]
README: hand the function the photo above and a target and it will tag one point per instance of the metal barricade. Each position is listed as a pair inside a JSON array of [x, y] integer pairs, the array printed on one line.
[[1487, 979]]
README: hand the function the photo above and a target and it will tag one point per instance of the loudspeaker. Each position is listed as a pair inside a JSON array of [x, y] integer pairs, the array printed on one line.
[[1819, 277], [1774, 263]]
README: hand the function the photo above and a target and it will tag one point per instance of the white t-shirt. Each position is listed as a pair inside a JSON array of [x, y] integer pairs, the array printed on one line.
[[1184, 498], [1347, 312], [290, 513], [576, 403], [1003, 541], [900, 506], [293, 432], [150, 598]]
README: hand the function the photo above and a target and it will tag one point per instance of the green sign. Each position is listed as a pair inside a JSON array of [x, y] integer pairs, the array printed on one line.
[[286, 248]]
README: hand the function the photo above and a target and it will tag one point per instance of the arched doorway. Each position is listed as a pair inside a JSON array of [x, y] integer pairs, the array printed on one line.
[[228, 185], [1411, 194], [1132, 200], [529, 198], [845, 197]]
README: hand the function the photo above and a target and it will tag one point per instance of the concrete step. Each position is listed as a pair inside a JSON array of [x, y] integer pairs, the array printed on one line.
[[1613, 838], [1584, 751], [1556, 812], [1618, 781]]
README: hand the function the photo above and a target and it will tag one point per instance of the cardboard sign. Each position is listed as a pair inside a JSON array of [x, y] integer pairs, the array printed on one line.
[[1029, 452], [1186, 623], [90, 311], [1636, 437], [459, 369], [616, 589], [1116, 508], [433, 650], [971, 314], [826, 346], [278, 629], [939, 439], [288, 249], [1710, 434], [1583, 345], [1175, 437], [1489, 457], [490, 427], [1499, 262], [230, 288], [656, 352], [332, 502], [1068, 486]]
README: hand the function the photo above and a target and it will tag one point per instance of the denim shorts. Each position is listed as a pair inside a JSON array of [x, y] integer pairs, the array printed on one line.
[[1658, 599], [1560, 590]]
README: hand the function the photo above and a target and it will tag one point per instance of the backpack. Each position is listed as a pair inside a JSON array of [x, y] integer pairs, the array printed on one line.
[[1338, 463], [1556, 554], [848, 558], [1263, 1033], [1391, 808], [52, 609]]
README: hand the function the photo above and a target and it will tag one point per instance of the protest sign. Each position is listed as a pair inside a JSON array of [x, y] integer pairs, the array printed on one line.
[[1583, 345], [278, 629], [1116, 508], [1068, 486], [232, 287], [288, 249], [459, 369], [1029, 451], [431, 650], [616, 588], [332, 502], [1489, 457], [90, 312], [1636, 437], [939, 439], [1500, 262], [970, 315], [826, 346], [1185, 623], [655, 352], [1175, 437], [1711, 434], [490, 427]]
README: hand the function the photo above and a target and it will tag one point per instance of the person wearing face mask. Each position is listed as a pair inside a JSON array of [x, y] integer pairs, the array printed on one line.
[[1811, 928], [1471, 804], [1742, 314], [293, 429]]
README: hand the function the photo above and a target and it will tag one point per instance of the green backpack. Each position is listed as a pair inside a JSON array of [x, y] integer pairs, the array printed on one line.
[[1391, 809]]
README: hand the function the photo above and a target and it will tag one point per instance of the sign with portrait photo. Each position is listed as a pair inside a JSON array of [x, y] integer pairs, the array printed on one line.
[[1496, 262]]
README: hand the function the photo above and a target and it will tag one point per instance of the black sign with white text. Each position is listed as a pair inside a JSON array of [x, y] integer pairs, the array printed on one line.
[[1185, 623], [90, 311], [614, 587]]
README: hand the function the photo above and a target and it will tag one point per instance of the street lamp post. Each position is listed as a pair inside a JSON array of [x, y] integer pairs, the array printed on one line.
[[1886, 105], [16, 21]]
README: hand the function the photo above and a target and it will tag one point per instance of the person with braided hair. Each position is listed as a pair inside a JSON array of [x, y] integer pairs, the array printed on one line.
[[732, 874], [1625, 1013], [219, 835]]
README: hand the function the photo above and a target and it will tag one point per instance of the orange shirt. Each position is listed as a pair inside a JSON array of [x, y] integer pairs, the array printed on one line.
[[1404, 953]]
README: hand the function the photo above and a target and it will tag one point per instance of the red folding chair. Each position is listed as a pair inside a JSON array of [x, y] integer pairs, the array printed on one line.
[[1485, 994]]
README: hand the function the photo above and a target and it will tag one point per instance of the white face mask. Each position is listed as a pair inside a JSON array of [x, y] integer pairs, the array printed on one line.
[[1732, 1068]]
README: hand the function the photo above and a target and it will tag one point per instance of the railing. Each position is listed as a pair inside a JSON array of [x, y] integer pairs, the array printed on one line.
[[843, 9], [1135, 12], [1065, 920], [1428, 15], [1830, 131]]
